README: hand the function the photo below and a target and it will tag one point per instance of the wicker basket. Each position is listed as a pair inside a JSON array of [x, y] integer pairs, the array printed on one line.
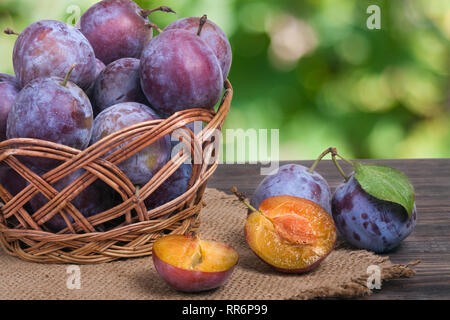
[[81, 243]]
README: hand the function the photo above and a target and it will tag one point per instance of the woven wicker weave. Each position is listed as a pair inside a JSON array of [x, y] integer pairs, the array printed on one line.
[[81, 243]]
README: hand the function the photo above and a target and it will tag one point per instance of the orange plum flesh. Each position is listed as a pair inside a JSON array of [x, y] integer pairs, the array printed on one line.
[[191, 264], [291, 234]]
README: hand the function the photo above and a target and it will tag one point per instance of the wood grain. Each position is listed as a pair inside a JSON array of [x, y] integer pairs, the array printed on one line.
[[429, 242]]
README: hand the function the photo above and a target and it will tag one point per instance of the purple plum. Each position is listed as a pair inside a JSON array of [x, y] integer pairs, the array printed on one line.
[[367, 222], [99, 67], [294, 180], [119, 82], [48, 48], [213, 36], [9, 89], [96, 198], [172, 188], [116, 29], [11, 180], [179, 71], [140, 167], [49, 109]]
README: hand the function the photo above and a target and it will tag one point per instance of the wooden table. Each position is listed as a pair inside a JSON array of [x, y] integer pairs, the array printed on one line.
[[429, 242]]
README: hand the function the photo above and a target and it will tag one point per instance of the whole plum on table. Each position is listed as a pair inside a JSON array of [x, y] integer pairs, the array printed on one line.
[[367, 222], [179, 71], [140, 167], [48, 48], [51, 109], [96, 198], [117, 29], [119, 82], [9, 89], [213, 36], [172, 188], [294, 180]]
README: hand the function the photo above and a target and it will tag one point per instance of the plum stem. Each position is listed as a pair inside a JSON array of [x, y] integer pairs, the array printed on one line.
[[201, 24], [66, 78], [322, 155], [10, 31], [336, 163], [243, 198], [153, 25], [145, 12], [346, 160]]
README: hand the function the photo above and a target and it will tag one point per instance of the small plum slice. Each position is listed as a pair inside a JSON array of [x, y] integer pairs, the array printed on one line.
[[190, 264], [291, 234]]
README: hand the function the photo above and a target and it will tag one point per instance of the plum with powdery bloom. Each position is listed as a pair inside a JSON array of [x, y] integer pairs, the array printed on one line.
[[213, 36], [179, 71], [48, 48], [99, 67], [48, 110], [140, 167], [294, 180], [9, 89], [119, 82], [116, 29]]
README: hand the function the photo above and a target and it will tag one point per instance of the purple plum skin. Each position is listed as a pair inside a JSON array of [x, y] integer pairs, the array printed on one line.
[[96, 198], [119, 82], [369, 223], [212, 35], [99, 67], [46, 110], [294, 180], [178, 72], [11, 180], [188, 280], [172, 188], [116, 29], [48, 48], [9, 89], [140, 167]]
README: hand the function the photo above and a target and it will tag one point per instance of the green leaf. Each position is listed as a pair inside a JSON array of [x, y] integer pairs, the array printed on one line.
[[386, 183]]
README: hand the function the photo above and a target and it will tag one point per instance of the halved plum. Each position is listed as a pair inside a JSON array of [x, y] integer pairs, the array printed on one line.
[[291, 234], [191, 264]]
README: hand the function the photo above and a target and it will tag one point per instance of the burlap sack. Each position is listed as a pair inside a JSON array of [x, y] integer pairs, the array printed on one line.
[[343, 273]]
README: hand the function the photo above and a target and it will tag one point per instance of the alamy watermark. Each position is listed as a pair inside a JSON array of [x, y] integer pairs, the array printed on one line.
[[374, 20], [251, 146], [374, 279], [74, 13], [73, 281]]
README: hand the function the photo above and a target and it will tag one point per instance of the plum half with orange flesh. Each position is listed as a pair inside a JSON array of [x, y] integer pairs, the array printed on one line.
[[291, 234], [191, 264]]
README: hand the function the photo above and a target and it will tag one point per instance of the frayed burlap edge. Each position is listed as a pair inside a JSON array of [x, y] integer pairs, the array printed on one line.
[[358, 287]]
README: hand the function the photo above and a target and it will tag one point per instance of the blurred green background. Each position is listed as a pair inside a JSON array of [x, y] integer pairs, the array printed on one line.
[[315, 71]]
